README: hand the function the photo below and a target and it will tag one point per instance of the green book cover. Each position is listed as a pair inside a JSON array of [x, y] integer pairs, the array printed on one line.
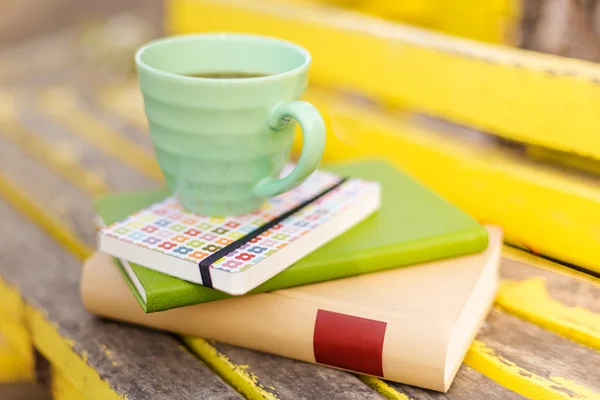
[[414, 225]]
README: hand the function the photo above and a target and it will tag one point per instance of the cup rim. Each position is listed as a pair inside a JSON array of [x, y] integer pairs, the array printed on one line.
[[221, 35]]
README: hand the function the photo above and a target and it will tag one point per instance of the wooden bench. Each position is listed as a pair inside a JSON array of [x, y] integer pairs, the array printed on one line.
[[66, 137]]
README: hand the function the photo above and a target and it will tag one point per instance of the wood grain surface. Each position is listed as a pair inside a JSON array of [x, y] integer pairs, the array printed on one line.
[[468, 384], [568, 290], [556, 298], [569, 367], [302, 380], [138, 363]]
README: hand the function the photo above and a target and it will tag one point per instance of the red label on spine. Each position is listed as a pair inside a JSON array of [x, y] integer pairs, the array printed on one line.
[[349, 342]]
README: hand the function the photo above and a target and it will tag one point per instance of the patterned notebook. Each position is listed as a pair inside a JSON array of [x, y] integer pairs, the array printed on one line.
[[236, 254]]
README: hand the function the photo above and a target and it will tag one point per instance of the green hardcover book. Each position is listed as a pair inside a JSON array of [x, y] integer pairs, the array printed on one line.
[[414, 225]]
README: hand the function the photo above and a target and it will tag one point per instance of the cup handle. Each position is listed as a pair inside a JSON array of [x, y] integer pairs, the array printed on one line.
[[313, 132]]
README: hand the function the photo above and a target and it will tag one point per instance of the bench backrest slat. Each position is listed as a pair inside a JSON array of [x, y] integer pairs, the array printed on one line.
[[520, 95]]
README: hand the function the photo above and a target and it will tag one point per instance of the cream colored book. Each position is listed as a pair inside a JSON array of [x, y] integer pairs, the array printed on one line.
[[411, 325]]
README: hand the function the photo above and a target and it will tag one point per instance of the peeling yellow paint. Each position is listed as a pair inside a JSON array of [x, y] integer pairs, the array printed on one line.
[[109, 355], [508, 374], [56, 229], [59, 351], [530, 300], [574, 388], [382, 388], [235, 375]]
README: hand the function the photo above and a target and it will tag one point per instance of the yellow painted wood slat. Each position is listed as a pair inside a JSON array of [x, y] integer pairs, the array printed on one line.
[[57, 156], [16, 336], [16, 349], [510, 375], [45, 334], [383, 388], [524, 96], [46, 337], [62, 388], [492, 21], [56, 229], [554, 214], [531, 300], [235, 375], [58, 350], [12, 307], [61, 104], [16, 359], [57, 159]]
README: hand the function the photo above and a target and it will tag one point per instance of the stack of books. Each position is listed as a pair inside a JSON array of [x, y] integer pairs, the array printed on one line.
[[359, 268]]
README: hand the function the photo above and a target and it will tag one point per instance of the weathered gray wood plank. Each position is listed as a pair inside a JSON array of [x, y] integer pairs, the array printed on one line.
[[543, 353], [60, 200], [302, 380], [89, 97], [143, 364], [114, 171], [568, 290], [468, 384]]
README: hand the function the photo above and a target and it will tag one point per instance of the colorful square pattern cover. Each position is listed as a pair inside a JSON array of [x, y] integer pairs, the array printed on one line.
[[167, 228]]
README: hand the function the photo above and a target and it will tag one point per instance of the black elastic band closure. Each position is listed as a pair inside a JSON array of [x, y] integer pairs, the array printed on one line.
[[205, 275], [205, 264]]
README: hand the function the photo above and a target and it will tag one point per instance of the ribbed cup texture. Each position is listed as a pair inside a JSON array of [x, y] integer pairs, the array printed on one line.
[[213, 158]]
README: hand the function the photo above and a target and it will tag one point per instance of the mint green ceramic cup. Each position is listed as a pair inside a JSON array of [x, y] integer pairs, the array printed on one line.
[[222, 143]]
